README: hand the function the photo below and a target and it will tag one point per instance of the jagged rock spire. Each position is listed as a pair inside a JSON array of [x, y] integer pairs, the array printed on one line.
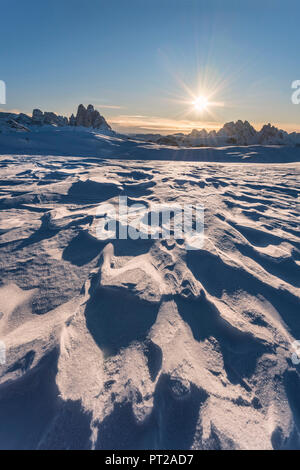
[[89, 117]]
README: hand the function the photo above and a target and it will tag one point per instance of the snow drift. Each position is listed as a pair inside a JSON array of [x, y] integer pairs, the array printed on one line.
[[140, 344]]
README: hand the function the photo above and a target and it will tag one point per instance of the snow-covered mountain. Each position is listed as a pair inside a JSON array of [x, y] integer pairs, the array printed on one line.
[[85, 117], [232, 133]]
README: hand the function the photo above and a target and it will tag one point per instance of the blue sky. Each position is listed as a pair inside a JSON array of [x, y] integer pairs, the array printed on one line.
[[143, 62]]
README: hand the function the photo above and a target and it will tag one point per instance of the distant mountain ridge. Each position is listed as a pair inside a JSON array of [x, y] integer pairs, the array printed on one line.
[[232, 133]]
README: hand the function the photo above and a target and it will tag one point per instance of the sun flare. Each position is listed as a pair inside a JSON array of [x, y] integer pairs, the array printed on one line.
[[201, 103]]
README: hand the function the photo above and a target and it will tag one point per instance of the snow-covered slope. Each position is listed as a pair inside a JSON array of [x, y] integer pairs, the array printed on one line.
[[88, 142], [141, 344]]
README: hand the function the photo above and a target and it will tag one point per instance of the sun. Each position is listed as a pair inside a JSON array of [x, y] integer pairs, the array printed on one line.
[[201, 103]]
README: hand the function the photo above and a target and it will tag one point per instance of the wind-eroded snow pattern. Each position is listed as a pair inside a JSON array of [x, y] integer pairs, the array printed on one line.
[[142, 344]]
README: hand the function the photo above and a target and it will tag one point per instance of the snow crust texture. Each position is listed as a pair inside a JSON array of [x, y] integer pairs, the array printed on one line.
[[142, 344]]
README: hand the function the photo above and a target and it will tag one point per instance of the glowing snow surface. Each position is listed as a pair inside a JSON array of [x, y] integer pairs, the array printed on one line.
[[143, 344]]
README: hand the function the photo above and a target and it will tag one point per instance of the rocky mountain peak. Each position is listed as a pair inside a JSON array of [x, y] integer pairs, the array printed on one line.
[[85, 117], [89, 117]]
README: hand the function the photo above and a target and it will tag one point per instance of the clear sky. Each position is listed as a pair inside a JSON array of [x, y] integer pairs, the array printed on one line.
[[143, 62]]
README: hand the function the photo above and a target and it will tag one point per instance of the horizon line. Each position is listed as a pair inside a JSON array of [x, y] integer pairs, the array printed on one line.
[[137, 123]]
